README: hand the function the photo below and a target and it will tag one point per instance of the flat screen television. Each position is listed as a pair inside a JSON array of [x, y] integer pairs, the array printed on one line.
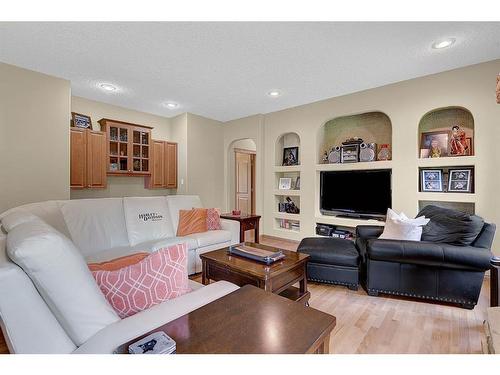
[[362, 194]]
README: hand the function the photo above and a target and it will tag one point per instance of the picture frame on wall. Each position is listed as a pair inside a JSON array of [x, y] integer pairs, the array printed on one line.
[[80, 121], [437, 142], [431, 180], [290, 156], [459, 180], [285, 183]]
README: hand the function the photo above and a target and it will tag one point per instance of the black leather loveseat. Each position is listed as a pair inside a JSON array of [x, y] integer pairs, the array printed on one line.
[[443, 271]]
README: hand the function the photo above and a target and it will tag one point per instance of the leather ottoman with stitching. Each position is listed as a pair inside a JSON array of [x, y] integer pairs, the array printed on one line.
[[332, 261]]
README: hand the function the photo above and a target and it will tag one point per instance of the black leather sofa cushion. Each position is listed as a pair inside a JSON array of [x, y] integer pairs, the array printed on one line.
[[326, 250], [429, 254], [450, 226]]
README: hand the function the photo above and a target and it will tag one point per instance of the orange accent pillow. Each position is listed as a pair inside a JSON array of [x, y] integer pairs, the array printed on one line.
[[118, 263], [192, 221]]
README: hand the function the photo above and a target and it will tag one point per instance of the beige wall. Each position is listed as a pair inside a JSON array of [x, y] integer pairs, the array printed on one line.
[[405, 103], [119, 186], [179, 135], [34, 137], [205, 160]]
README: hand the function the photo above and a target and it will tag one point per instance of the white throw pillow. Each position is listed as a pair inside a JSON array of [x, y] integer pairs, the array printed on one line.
[[400, 227], [62, 278], [95, 224], [12, 220], [147, 219]]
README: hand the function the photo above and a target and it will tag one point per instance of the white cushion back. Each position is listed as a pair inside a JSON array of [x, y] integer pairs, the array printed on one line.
[[147, 219], [95, 224], [62, 278], [400, 227], [181, 202], [12, 220]]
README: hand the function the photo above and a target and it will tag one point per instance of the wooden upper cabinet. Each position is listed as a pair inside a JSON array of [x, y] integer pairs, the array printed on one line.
[[171, 165], [164, 166], [128, 148], [87, 159], [78, 158]]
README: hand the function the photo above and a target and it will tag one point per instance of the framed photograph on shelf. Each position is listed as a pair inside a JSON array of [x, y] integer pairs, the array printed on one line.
[[470, 146], [431, 180], [297, 183], [290, 156], [81, 121], [459, 180], [285, 183], [436, 142]]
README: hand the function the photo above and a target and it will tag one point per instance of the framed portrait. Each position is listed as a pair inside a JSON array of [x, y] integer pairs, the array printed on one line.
[[285, 183], [459, 180], [290, 156], [431, 180], [470, 146], [436, 142], [81, 121]]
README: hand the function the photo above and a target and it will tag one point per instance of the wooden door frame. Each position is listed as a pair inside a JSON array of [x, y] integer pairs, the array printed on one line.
[[252, 176]]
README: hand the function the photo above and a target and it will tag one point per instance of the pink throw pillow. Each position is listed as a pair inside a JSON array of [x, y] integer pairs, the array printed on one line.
[[160, 276], [213, 219]]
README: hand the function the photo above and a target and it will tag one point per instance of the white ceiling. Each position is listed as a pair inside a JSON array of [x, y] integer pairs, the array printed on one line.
[[224, 70]]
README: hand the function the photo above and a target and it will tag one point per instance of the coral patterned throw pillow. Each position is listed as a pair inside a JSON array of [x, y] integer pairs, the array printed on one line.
[[160, 276], [213, 219]]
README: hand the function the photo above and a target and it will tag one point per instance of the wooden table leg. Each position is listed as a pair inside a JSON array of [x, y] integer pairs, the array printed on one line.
[[303, 284], [242, 233], [324, 348], [204, 278], [256, 232]]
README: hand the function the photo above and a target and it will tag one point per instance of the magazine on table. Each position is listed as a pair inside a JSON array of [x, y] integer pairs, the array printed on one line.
[[255, 253]]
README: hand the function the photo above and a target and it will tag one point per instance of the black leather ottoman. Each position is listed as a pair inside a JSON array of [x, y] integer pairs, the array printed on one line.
[[332, 261]]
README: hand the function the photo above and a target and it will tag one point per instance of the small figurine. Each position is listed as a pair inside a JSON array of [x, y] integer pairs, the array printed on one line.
[[325, 157], [458, 143], [435, 149]]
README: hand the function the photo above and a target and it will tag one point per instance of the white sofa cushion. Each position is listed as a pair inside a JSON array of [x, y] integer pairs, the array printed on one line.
[[108, 339], [30, 325], [95, 224], [62, 278], [149, 247], [147, 219], [12, 220], [210, 237], [181, 202]]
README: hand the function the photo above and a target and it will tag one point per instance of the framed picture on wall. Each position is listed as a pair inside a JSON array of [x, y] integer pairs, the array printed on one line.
[[285, 183], [81, 121], [436, 142], [459, 180], [431, 180], [290, 156]]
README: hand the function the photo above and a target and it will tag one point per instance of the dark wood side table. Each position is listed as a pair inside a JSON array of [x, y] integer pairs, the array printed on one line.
[[247, 222], [249, 321], [494, 287]]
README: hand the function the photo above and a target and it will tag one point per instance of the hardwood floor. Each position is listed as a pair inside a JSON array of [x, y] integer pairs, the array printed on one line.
[[388, 324], [394, 325]]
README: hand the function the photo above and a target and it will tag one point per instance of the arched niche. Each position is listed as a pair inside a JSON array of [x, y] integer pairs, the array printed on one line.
[[372, 127], [283, 142], [438, 125]]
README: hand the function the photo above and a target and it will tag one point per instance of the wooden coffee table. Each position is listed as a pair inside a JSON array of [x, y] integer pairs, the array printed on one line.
[[277, 278], [249, 321]]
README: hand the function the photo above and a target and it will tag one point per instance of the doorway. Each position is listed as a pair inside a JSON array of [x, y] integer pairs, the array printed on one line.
[[244, 174]]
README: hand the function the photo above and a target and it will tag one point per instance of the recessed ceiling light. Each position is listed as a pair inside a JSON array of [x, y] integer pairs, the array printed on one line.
[[443, 43], [274, 93], [171, 105], [107, 87]]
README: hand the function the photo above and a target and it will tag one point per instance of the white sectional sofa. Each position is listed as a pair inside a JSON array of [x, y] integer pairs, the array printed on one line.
[[100, 230]]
